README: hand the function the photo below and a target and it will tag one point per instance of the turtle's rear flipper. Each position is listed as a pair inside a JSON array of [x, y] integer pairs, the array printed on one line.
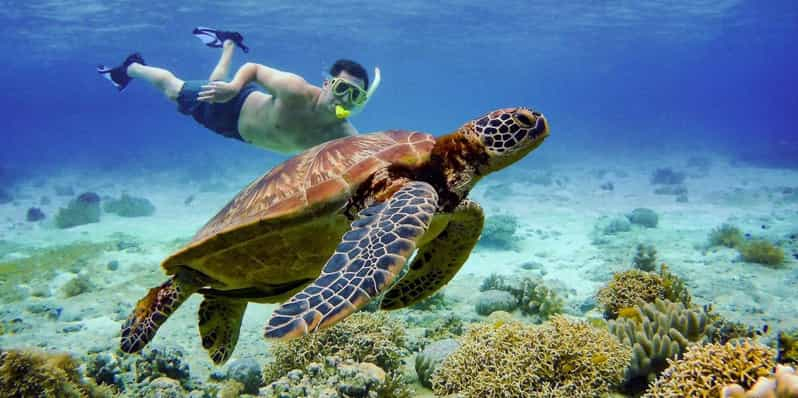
[[219, 325], [153, 310], [439, 260], [367, 260]]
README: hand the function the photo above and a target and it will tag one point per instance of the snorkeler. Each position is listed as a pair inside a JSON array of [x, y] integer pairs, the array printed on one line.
[[294, 115]]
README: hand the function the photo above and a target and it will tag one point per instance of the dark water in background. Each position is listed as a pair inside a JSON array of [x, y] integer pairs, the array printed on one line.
[[614, 77]]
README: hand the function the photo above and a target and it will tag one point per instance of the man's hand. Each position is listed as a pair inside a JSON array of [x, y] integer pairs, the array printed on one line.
[[217, 91]]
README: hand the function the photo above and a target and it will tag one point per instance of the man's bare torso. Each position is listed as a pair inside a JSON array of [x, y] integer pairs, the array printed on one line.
[[267, 122]]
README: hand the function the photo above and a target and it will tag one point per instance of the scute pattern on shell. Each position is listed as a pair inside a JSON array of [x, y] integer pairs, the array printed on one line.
[[319, 175]]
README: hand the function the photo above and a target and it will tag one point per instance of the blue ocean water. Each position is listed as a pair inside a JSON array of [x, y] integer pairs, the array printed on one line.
[[627, 88], [610, 75]]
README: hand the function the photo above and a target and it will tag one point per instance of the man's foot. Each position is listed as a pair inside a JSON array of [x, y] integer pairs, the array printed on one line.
[[215, 38], [118, 75]]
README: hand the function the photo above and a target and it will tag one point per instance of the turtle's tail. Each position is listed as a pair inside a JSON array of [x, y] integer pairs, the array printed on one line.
[[152, 311]]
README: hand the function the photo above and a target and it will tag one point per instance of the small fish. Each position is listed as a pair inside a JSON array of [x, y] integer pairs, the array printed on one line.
[[188, 200]]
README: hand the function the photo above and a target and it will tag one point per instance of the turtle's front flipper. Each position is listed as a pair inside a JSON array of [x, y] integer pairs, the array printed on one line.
[[366, 261], [438, 261], [219, 325], [152, 310]]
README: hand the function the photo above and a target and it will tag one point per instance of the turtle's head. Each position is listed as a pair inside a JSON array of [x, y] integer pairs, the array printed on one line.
[[507, 135]]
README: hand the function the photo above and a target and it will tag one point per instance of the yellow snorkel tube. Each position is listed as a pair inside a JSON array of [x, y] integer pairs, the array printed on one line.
[[343, 113]]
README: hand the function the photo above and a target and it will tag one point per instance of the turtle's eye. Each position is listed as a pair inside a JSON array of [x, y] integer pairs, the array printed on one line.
[[523, 120]]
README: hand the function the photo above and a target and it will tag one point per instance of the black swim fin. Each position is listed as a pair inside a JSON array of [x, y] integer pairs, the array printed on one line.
[[118, 75], [215, 38]]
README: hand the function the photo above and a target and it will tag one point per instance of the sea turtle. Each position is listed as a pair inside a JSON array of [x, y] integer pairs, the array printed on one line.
[[331, 229]]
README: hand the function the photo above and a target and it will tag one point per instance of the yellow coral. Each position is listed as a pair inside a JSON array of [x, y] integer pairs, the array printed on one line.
[[629, 287], [706, 369], [561, 358]]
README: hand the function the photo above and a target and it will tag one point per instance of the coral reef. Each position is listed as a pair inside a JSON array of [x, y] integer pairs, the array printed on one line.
[[129, 206], [645, 257], [644, 217], [334, 377], [762, 252], [627, 288], [37, 374], [362, 337], [783, 384], [500, 232], [84, 209], [561, 358], [531, 295], [706, 369], [726, 235], [666, 176], [34, 214], [430, 359], [656, 332]]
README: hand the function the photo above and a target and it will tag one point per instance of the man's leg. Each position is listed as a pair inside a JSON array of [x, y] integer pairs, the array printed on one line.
[[223, 66], [162, 79]]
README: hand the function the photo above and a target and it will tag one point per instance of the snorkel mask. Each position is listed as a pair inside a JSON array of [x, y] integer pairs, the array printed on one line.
[[354, 96]]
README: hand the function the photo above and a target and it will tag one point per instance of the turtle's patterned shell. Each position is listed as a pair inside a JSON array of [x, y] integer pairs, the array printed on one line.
[[325, 174]]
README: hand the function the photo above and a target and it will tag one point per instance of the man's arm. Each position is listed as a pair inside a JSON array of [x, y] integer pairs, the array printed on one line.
[[281, 84], [286, 86]]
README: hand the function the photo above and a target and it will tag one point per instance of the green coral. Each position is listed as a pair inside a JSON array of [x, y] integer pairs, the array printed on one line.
[[362, 337], [656, 332], [28, 373], [129, 206], [500, 232], [562, 358], [645, 258], [627, 288], [706, 369], [762, 252], [77, 285], [726, 235], [532, 296], [84, 209], [788, 347], [675, 287]]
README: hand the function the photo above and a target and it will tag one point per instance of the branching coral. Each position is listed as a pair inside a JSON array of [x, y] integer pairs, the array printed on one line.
[[783, 384], [627, 288], [656, 332], [706, 369], [362, 337], [561, 358]]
